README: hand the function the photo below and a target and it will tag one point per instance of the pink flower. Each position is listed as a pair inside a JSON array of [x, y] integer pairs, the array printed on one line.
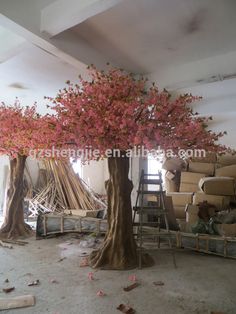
[[100, 293], [90, 276], [132, 278]]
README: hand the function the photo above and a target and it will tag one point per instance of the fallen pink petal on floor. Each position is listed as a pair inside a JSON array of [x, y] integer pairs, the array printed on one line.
[[100, 293], [90, 276], [132, 278]]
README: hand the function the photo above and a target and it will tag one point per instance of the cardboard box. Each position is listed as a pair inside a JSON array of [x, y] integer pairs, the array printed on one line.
[[217, 185], [189, 181], [173, 164], [180, 211], [170, 182], [227, 230], [192, 214], [228, 171], [188, 187], [221, 202], [209, 158], [170, 175], [202, 167], [192, 209], [170, 186], [173, 225], [181, 199], [182, 225], [226, 159]]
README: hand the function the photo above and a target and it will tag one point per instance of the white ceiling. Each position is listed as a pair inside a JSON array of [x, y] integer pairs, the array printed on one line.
[[33, 74], [143, 36], [172, 41], [11, 44]]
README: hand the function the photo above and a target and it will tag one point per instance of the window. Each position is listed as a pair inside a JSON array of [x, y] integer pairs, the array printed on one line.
[[154, 166], [77, 166]]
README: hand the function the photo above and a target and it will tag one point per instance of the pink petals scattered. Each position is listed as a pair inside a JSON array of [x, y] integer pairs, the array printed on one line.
[[132, 278], [90, 276], [100, 293]]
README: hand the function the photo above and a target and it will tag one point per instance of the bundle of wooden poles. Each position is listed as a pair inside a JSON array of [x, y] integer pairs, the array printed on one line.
[[60, 189]]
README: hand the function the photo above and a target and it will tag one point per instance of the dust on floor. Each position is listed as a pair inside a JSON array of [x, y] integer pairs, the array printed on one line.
[[200, 283]]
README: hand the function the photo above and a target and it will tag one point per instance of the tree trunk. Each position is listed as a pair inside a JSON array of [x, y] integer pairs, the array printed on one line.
[[118, 250], [14, 225]]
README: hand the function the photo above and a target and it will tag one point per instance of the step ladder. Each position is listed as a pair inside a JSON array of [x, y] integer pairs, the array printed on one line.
[[156, 208]]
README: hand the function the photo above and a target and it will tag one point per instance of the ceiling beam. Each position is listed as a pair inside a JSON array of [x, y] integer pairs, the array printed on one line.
[[40, 41], [64, 14]]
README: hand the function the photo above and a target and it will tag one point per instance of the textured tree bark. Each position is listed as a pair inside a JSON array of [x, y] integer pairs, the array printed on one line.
[[118, 250], [14, 225]]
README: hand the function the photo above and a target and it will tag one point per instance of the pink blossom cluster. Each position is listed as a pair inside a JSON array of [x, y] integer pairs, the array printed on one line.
[[113, 110], [23, 129], [116, 111]]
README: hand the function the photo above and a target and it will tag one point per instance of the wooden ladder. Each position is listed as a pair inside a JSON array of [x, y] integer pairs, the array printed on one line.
[[157, 209]]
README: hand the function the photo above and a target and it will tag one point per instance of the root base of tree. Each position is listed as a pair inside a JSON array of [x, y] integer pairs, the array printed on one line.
[[96, 260], [102, 259], [20, 231]]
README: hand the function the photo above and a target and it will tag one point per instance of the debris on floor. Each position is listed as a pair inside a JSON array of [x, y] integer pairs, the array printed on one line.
[[126, 309], [33, 283], [61, 259], [90, 276], [6, 280], [54, 281], [88, 243], [100, 293], [5, 245], [158, 283], [132, 278], [17, 302], [84, 262], [131, 287], [8, 290], [18, 242]]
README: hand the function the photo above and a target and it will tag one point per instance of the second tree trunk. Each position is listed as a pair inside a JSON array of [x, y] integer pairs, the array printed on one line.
[[14, 225]]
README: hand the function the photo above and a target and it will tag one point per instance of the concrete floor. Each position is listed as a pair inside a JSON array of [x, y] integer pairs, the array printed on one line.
[[199, 285]]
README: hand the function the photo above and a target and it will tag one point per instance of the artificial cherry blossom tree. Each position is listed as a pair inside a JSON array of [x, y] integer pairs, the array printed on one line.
[[21, 130], [116, 111]]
